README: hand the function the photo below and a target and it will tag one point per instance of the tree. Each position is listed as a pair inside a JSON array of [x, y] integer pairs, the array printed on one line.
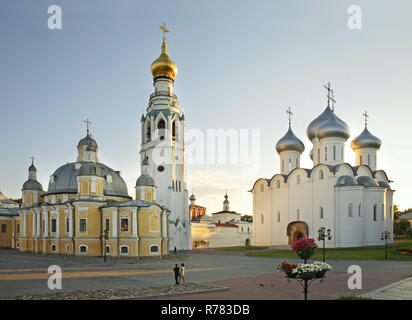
[[401, 227], [396, 211], [246, 218]]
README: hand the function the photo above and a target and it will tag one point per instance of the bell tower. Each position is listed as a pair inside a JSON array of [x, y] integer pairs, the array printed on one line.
[[162, 131]]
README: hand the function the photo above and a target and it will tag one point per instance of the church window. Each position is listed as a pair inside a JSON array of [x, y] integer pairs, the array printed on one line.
[[53, 247], [83, 249], [297, 163], [290, 164], [154, 248], [369, 160], [148, 132], [82, 225], [321, 213], [278, 216], [124, 225], [180, 186], [278, 184], [18, 228], [326, 153], [124, 249], [160, 168], [108, 249], [283, 165], [350, 213], [360, 210], [341, 154], [161, 129], [375, 208], [67, 225], [107, 225], [3, 228], [318, 155], [334, 152], [174, 130], [67, 248], [261, 218], [321, 175], [53, 225]]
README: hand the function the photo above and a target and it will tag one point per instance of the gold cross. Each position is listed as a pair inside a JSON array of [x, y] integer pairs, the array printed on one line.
[[290, 114], [164, 29]]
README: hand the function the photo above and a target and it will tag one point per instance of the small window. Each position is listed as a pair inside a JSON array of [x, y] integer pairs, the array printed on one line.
[[375, 208], [154, 249], [283, 165], [18, 228], [109, 179], [334, 152], [83, 249], [107, 249], [350, 209], [320, 174], [360, 160], [124, 250], [321, 213], [82, 225], [278, 217], [290, 164], [3, 228], [67, 248], [319, 155], [17, 244], [341, 154], [53, 225], [67, 225], [160, 168], [107, 225], [124, 224], [53, 248], [326, 153], [262, 218], [369, 160], [360, 210]]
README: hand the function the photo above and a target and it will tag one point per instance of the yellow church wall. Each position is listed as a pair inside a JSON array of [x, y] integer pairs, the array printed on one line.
[[145, 247], [146, 227], [6, 237], [93, 221]]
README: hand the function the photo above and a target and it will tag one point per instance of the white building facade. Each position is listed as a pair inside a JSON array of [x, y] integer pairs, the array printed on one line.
[[162, 132], [354, 202]]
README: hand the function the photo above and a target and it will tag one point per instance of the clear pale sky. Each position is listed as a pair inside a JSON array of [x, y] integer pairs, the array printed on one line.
[[241, 64]]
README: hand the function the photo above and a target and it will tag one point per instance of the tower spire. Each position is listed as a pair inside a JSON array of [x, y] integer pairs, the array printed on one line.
[[165, 30], [88, 123], [32, 160], [366, 116], [330, 93], [290, 114]]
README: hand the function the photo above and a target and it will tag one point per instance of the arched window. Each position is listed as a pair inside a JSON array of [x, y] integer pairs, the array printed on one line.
[[278, 216], [319, 155], [124, 250], [174, 130], [360, 210], [290, 164], [161, 126], [154, 248], [83, 249], [321, 213], [341, 154], [320, 174], [326, 153], [350, 210], [375, 209], [148, 131], [334, 152]]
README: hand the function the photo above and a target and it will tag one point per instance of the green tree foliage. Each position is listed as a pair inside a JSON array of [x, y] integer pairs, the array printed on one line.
[[246, 218], [401, 227]]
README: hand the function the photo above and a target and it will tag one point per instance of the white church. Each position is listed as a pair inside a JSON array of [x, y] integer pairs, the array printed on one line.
[[354, 202]]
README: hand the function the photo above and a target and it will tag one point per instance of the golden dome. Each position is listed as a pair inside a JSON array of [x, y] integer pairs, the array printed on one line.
[[164, 66]]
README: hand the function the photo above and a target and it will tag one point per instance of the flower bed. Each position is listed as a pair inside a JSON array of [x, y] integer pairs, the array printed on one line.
[[304, 271]]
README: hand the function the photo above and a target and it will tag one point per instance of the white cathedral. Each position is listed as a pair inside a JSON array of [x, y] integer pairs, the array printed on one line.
[[163, 150], [354, 202]]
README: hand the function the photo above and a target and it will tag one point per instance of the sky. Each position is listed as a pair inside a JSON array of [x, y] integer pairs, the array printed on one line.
[[241, 65]]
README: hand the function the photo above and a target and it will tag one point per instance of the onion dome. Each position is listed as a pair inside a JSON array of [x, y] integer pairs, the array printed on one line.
[[333, 127], [366, 140], [164, 66], [90, 169], [32, 168], [367, 181], [313, 126], [86, 141], [32, 184], [226, 200], [290, 142], [192, 197], [346, 181]]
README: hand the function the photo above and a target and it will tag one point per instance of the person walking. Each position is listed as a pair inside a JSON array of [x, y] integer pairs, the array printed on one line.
[[182, 274], [176, 269]]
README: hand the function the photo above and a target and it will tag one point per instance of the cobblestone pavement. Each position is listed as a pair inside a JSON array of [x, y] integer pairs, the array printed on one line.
[[401, 290], [114, 294]]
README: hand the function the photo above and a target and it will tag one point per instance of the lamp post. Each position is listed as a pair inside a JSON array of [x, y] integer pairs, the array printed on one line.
[[323, 236], [106, 235], [386, 235]]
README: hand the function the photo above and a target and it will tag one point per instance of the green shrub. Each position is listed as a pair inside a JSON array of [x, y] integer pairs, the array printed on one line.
[[401, 227]]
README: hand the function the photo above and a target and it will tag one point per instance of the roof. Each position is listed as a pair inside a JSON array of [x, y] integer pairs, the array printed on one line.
[[9, 212], [132, 203], [65, 180], [407, 215], [32, 184], [224, 211]]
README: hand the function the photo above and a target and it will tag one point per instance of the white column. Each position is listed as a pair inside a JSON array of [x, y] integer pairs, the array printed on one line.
[[25, 224], [46, 223], [114, 224], [38, 224], [71, 219], [134, 222]]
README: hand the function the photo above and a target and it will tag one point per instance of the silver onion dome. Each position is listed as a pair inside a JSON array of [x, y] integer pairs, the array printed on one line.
[[145, 181], [290, 142], [86, 141], [333, 127], [32, 184], [313, 126], [366, 140], [192, 197]]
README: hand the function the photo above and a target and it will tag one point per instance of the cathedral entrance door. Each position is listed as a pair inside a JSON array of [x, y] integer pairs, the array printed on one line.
[[297, 230]]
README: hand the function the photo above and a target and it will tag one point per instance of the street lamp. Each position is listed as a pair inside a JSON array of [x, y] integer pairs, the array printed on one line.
[[106, 235], [386, 235], [322, 237]]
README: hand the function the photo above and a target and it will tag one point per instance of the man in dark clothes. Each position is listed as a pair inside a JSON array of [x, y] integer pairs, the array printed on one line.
[[176, 269]]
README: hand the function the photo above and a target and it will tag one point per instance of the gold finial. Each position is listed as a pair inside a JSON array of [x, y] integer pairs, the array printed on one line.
[[164, 29]]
